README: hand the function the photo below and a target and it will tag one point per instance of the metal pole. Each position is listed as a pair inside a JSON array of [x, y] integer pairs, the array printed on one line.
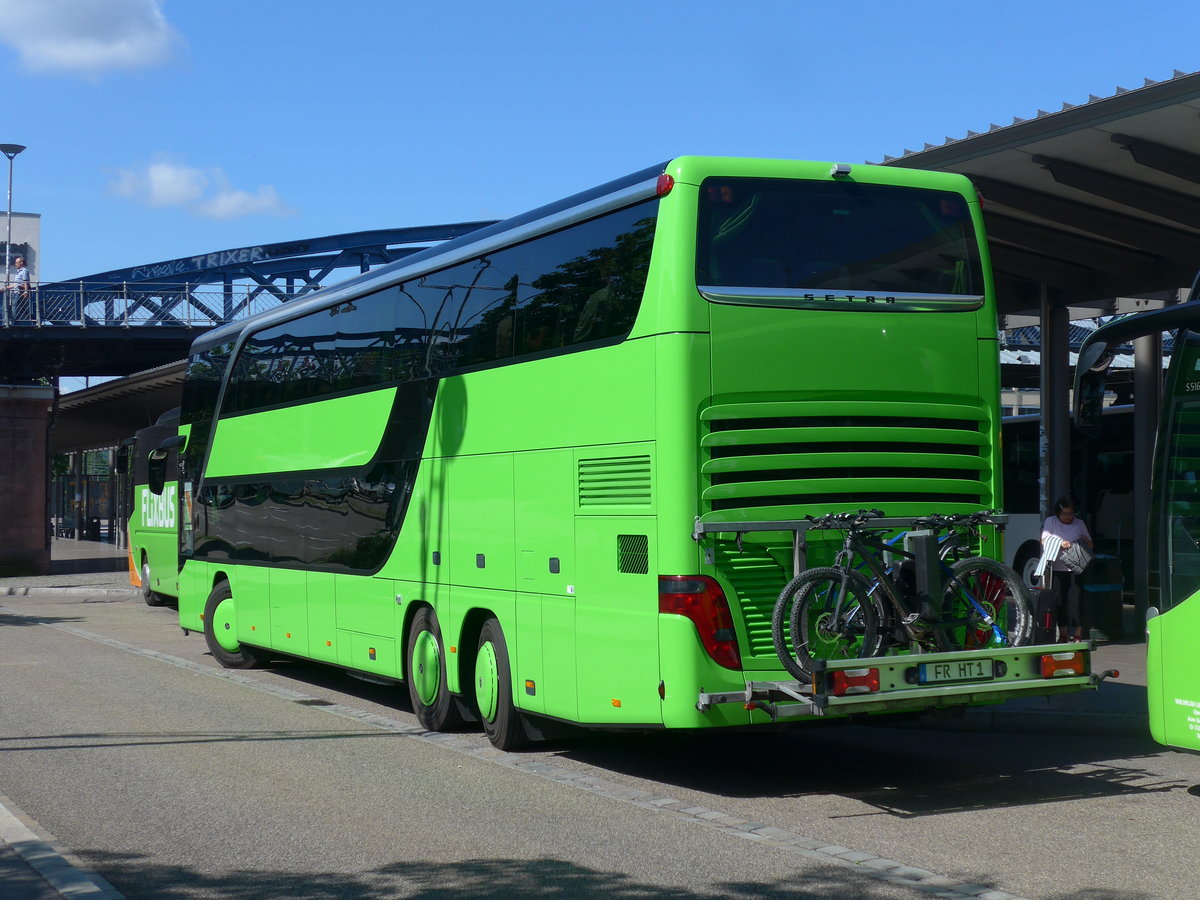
[[1054, 432], [11, 151], [8, 301], [1147, 395], [8, 237]]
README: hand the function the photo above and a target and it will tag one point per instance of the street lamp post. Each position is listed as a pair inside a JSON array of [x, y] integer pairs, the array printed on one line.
[[11, 151]]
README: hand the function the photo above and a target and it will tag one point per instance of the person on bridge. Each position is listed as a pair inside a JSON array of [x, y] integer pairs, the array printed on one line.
[[20, 284]]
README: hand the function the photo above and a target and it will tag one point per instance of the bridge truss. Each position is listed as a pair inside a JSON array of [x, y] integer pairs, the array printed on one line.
[[213, 288]]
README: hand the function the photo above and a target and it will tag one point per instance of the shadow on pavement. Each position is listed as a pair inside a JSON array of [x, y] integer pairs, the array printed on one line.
[[472, 879], [906, 773], [85, 566]]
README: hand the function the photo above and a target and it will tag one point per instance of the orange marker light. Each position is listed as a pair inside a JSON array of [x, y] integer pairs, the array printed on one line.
[[616, 703], [1056, 665]]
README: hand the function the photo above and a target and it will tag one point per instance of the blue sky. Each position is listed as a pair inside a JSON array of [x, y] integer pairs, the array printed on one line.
[[159, 129]]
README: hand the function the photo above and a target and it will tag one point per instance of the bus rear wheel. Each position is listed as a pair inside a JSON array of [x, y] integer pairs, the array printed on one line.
[[220, 632], [502, 721], [425, 674]]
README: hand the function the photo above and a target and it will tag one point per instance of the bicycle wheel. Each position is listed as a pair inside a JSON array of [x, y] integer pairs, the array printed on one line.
[[807, 605], [985, 605]]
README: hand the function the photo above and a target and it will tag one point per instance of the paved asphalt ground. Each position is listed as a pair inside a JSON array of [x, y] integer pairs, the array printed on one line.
[[32, 867]]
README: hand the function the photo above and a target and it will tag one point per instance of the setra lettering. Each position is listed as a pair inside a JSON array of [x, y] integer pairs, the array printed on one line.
[[850, 298]]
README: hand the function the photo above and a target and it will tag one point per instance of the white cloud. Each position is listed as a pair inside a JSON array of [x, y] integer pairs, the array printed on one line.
[[87, 36], [231, 203], [204, 192]]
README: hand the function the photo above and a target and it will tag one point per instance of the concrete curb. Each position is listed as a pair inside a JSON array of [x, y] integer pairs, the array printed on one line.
[[79, 590], [62, 872]]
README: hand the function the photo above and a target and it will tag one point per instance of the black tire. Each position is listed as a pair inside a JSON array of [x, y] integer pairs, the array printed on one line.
[[806, 604], [502, 721], [999, 594], [240, 656], [425, 674], [152, 597], [1026, 562]]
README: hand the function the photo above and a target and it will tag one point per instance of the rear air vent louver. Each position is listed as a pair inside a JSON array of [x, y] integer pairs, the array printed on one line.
[[756, 579], [781, 460], [615, 481]]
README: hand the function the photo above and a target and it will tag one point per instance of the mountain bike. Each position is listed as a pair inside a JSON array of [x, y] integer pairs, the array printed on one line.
[[838, 612]]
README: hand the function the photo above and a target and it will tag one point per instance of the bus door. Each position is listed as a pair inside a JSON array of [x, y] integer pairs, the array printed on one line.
[[1173, 651]]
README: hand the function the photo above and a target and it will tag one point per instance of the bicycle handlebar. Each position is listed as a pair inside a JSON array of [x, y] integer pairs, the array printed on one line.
[[856, 520], [844, 519], [956, 520]]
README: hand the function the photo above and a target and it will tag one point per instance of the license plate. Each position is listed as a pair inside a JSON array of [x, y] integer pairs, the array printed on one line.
[[959, 670]]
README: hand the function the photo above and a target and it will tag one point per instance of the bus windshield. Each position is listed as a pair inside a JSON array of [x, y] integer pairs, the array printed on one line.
[[786, 238]]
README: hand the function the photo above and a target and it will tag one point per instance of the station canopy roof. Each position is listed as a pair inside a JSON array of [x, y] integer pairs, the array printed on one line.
[[1097, 201], [105, 414]]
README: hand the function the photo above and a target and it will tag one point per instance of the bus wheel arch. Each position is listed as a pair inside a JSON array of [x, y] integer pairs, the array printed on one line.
[[220, 626], [425, 672], [468, 643], [151, 596]]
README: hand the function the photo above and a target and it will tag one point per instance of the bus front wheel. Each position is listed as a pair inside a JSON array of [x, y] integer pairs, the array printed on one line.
[[425, 674], [152, 597], [220, 632], [493, 690]]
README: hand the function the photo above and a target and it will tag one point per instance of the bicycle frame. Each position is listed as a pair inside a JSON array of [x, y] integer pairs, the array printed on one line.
[[867, 543]]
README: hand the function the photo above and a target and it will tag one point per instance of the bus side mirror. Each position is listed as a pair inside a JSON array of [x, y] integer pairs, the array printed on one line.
[[122, 463], [1091, 373], [159, 453]]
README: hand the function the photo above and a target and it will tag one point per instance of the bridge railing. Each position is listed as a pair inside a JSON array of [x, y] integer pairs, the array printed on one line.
[[82, 304]]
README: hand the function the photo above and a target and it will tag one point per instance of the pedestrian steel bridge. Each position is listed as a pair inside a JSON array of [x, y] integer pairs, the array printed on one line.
[[129, 320]]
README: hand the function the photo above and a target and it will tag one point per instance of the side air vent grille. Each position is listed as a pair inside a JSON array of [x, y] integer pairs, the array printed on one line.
[[615, 481], [633, 554]]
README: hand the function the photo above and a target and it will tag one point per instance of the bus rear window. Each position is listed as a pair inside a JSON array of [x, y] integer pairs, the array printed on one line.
[[783, 235]]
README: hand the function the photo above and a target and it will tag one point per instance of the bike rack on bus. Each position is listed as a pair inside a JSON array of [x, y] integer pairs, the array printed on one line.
[[791, 699], [800, 527]]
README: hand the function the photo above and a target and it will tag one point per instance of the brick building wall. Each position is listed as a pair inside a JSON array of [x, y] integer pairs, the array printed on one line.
[[24, 463]]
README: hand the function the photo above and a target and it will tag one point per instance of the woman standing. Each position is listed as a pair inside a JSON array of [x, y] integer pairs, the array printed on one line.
[[1063, 530]]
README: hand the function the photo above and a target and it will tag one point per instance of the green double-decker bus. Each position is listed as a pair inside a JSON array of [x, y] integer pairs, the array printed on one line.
[[527, 471], [1172, 665]]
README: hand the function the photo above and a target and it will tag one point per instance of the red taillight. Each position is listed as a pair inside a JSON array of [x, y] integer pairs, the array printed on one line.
[[1056, 665], [853, 681], [701, 599], [665, 183]]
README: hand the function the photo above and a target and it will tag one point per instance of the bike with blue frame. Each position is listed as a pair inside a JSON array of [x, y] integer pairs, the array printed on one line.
[[930, 598]]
